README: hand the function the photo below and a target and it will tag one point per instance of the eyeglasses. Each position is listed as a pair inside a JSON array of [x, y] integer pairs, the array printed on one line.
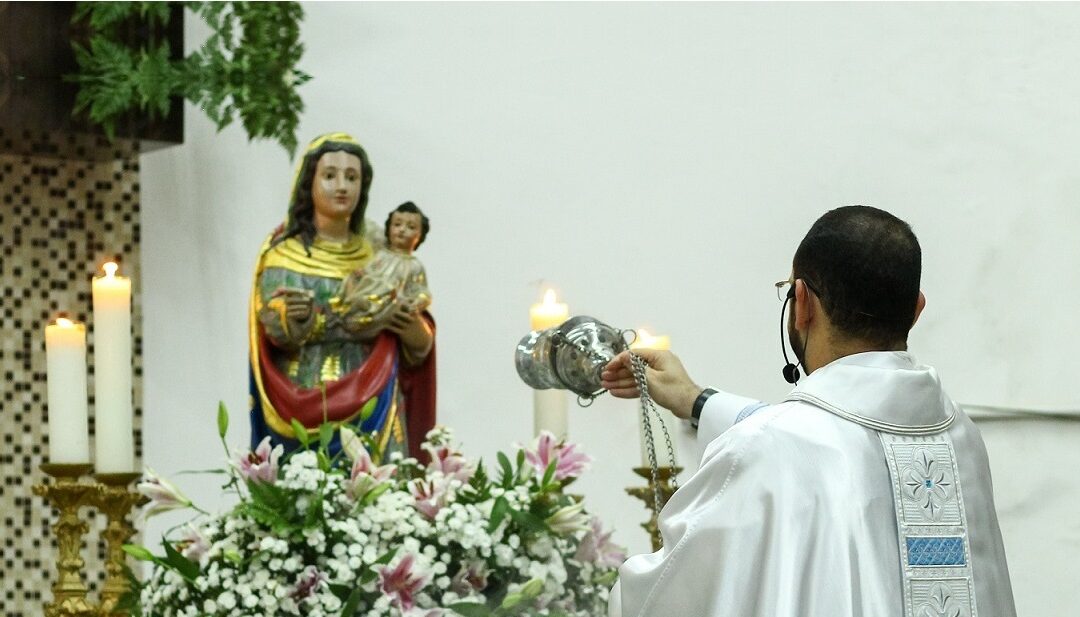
[[785, 290]]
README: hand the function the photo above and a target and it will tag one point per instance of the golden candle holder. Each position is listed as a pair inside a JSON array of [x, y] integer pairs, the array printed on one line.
[[110, 495], [664, 476], [115, 500]]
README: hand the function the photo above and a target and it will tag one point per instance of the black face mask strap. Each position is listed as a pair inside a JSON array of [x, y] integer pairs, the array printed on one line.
[[790, 371]]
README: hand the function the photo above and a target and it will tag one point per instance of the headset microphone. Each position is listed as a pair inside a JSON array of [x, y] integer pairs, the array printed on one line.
[[790, 371]]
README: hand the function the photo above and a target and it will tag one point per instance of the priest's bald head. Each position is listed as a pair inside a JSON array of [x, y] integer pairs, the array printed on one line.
[[856, 275]]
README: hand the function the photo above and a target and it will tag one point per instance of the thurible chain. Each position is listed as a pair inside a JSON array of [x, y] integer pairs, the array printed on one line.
[[639, 367]]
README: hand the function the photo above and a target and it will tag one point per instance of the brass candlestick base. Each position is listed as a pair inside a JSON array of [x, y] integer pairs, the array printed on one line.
[[67, 495], [109, 494], [646, 493], [115, 500]]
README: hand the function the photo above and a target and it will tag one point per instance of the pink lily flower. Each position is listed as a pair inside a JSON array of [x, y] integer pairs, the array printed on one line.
[[448, 462], [261, 465], [162, 494], [596, 547], [366, 475], [193, 544], [402, 582], [473, 576], [309, 581], [570, 462], [430, 496]]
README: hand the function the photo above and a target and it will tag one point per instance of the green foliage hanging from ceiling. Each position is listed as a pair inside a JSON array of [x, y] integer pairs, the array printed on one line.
[[246, 69]]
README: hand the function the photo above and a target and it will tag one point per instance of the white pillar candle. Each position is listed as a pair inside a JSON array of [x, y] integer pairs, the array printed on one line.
[[549, 412], [645, 340], [65, 366], [548, 314], [549, 406], [114, 447]]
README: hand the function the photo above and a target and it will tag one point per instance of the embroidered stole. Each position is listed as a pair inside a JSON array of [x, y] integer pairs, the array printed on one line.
[[935, 555]]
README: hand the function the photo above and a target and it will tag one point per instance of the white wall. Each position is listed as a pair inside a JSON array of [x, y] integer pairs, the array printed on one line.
[[658, 164]]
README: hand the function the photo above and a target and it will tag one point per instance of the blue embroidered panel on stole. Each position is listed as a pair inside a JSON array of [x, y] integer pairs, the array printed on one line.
[[933, 551]]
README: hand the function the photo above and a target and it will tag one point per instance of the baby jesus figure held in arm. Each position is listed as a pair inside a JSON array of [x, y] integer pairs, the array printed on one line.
[[394, 279]]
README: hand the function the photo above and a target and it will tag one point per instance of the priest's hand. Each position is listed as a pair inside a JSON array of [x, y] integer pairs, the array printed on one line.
[[414, 331], [669, 384]]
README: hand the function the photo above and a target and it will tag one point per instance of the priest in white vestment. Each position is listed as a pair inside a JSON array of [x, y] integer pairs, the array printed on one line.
[[865, 493]]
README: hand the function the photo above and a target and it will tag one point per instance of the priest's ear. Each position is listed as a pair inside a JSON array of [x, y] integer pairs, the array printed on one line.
[[803, 308], [920, 304]]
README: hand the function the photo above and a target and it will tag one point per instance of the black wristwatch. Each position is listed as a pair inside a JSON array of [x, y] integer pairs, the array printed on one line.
[[699, 404]]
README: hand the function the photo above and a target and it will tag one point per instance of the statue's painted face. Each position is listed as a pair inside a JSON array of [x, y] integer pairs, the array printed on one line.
[[336, 187], [404, 231]]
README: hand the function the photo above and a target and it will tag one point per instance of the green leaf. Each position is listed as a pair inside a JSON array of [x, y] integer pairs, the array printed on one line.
[[549, 473], [326, 435], [352, 603], [129, 601], [511, 601], [104, 14], [271, 506], [528, 520], [499, 510], [222, 419], [470, 609], [300, 432], [187, 568], [370, 574], [155, 11], [368, 408], [533, 588], [374, 494], [479, 487], [139, 552], [607, 579], [324, 460], [507, 477], [233, 556]]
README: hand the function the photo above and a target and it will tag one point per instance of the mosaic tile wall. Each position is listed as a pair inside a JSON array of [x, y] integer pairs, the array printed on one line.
[[65, 207]]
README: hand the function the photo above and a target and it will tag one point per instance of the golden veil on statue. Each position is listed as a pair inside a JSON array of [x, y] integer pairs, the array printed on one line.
[[315, 356]]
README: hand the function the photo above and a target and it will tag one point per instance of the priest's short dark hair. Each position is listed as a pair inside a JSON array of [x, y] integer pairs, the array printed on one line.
[[865, 265]]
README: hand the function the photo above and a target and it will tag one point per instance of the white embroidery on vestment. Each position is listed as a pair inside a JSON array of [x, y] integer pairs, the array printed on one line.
[[931, 526]]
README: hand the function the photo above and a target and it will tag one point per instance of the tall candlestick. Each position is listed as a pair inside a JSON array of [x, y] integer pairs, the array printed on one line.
[[114, 448], [549, 406], [65, 365], [645, 340]]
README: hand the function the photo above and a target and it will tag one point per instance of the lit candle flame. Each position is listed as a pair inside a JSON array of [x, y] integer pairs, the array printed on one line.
[[549, 297], [645, 340], [110, 268], [64, 322]]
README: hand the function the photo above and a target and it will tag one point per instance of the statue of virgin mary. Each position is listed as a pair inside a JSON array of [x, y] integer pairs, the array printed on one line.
[[314, 358]]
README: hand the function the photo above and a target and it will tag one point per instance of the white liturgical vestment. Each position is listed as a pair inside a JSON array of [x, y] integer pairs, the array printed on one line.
[[866, 493]]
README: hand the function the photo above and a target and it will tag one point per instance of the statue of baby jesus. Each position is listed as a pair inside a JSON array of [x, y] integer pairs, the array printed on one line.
[[393, 278]]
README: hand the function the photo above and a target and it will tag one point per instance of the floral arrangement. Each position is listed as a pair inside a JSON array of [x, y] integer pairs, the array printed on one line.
[[320, 536]]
